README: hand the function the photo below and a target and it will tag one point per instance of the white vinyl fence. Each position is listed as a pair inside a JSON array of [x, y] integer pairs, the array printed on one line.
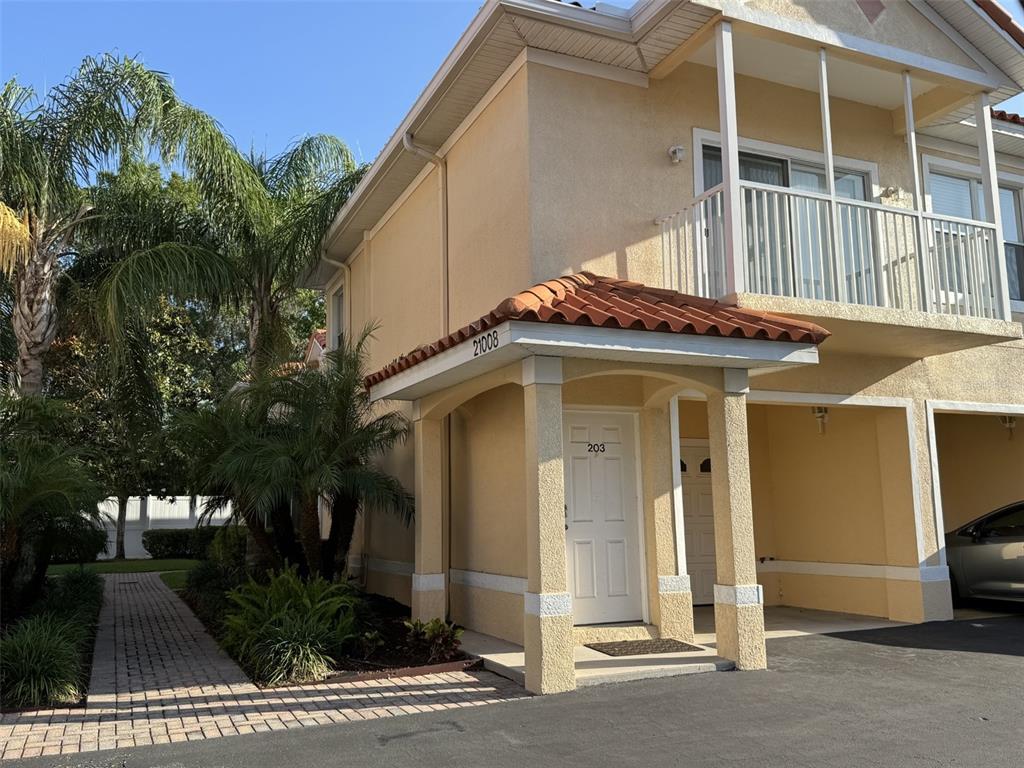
[[148, 512]]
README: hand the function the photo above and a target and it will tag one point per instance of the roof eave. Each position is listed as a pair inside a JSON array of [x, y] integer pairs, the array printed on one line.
[[515, 340]]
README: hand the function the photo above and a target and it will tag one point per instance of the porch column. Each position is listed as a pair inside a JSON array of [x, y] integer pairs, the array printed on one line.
[[428, 579], [739, 613], [990, 191], [668, 583], [924, 265], [547, 605], [735, 275]]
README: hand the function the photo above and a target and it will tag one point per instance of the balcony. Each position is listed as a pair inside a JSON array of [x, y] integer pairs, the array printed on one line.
[[805, 245]]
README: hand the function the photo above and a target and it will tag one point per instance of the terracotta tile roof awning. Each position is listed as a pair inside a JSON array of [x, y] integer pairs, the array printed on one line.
[[585, 299]]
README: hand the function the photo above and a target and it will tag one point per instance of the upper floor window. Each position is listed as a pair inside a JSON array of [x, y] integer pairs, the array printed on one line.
[[336, 319], [963, 197], [783, 172]]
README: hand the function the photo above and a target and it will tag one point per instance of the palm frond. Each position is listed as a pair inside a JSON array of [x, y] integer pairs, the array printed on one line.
[[15, 239], [184, 271]]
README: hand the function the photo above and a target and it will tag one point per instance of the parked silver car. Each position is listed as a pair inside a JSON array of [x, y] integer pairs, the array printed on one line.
[[986, 556]]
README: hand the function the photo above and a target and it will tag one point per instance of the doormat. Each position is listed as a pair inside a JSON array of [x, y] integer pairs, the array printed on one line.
[[642, 647]]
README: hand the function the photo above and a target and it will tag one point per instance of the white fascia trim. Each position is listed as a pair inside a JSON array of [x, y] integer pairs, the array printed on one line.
[[957, 406], [740, 11], [566, 15], [742, 594], [428, 582], [547, 604], [668, 585], [488, 15], [585, 67], [515, 340], [494, 582], [397, 567], [857, 570]]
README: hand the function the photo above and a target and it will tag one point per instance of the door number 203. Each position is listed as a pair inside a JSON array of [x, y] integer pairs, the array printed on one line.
[[485, 343], [595, 447]]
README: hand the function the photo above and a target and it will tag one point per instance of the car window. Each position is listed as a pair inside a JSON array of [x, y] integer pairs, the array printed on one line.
[[1008, 523]]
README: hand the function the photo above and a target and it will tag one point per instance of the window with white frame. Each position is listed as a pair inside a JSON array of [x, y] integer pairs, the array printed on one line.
[[336, 319], [962, 195]]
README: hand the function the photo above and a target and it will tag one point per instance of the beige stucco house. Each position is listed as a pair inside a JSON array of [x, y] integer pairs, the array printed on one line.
[[696, 303]]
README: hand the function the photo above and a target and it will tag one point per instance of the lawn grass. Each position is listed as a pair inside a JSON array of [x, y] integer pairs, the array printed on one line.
[[174, 579], [126, 566]]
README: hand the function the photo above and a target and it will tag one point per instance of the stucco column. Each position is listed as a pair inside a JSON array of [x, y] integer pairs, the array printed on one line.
[[547, 605], [428, 579], [911, 538], [739, 612], [671, 599]]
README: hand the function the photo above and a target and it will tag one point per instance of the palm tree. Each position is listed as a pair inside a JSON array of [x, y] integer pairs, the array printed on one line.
[[44, 487], [284, 443], [112, 107], [267, 241]]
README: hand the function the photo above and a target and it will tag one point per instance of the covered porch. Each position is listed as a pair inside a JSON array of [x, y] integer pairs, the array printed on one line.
[[544, 471]]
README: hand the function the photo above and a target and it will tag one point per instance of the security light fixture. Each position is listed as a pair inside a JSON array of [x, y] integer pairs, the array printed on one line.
[[676, 153], [1010, 422], [821, 414]]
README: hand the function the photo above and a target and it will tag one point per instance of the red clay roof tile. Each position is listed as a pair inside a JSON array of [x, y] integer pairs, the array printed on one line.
[[606, 302]]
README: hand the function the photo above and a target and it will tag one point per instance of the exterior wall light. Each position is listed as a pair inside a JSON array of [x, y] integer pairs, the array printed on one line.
[[821, 414], [1010, 422], [676, 153]]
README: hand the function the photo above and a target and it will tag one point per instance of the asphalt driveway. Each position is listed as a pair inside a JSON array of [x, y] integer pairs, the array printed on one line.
[[949, 694]]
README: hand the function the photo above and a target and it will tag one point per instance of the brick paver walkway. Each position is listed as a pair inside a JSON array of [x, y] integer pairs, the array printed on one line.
[[158, 678]]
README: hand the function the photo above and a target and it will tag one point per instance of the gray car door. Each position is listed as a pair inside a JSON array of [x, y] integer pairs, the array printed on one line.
[[993, 563]]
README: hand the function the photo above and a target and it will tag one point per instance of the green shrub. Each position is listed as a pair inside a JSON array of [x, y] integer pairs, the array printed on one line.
[[41, 662], [179, 543], [74, 595], [78, 540], [206, 591], [435, 640], [166, 543], [200, 539], [288, 630], [228, 547]]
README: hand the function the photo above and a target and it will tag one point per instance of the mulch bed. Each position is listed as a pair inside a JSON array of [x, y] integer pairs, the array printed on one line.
[[643, 647]]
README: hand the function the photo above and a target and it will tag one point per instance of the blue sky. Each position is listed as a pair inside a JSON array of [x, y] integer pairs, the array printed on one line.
[[270, 71]]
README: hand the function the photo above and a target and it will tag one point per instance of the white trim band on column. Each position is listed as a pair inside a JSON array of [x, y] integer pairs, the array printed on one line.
[[671, 584], [857, 570], [427, 582], [547, 604], [741, 594]]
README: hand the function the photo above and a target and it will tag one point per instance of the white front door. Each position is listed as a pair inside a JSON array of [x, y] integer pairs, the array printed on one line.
[[602, 537], [698, 519]]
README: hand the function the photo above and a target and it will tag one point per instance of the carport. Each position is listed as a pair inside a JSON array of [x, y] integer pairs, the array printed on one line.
[[836, 512]]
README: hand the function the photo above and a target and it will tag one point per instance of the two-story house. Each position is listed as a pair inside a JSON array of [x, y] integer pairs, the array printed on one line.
[[696, 303]]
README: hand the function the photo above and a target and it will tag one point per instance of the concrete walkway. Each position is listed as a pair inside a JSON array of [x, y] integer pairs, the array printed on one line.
[[159, 678]]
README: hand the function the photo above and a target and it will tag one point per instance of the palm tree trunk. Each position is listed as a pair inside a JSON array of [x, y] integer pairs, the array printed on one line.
[[344, 511], [122, 518], [309, 536], [262, 314], [34, 318]]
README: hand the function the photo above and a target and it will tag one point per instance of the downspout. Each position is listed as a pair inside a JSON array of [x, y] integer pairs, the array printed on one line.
[[442, 170]]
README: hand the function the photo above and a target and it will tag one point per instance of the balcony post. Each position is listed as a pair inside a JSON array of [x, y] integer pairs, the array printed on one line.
[[735, 277], [922, 233], [990, 191], [830, 174]]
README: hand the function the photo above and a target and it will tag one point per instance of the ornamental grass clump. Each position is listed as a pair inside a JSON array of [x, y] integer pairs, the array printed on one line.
[[41, 660], [289, 630]]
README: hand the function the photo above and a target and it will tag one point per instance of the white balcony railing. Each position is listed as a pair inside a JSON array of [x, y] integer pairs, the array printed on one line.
[[797, 243]]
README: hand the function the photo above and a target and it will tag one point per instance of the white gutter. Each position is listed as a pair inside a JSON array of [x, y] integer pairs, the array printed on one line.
[[442, 170]]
